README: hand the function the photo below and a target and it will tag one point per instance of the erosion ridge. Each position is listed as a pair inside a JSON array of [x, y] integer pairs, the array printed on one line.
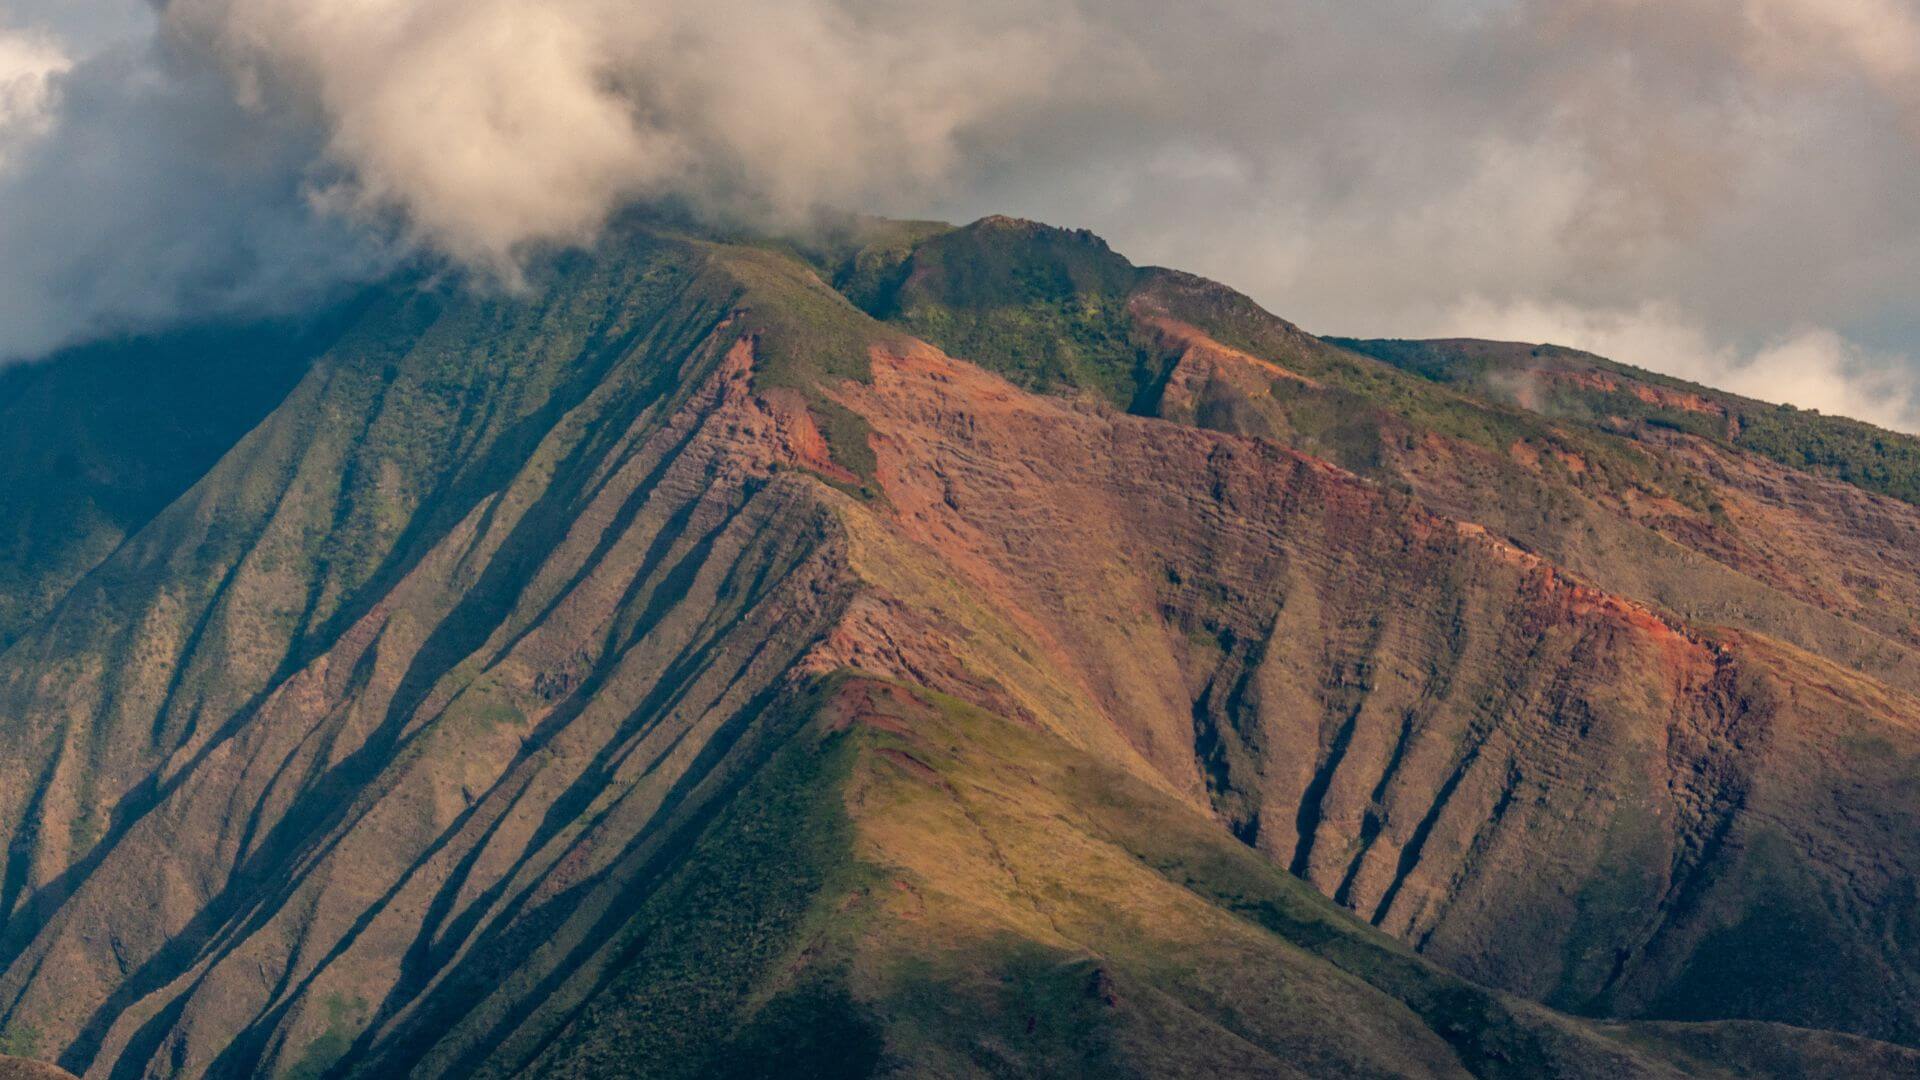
[[695, 660]]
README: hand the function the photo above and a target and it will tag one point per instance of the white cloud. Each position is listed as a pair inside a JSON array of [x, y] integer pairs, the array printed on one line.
[[29, 66], [152, 197], [491, 125], [1810, 38]]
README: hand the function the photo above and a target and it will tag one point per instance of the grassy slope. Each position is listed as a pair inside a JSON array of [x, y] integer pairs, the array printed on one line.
[[434, 410], [1043, 306], [424, 403], [1050, 309], [96, 441], [1059, 311], [1868, 457], [916, 886]]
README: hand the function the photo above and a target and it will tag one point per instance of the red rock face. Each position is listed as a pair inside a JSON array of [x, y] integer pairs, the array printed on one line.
[[1646, 394], [1543, 783]]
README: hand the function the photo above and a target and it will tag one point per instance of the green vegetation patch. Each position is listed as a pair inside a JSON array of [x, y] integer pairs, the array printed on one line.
[[708, 990], [807, 337], [95, 441], [345, 1018], [1779, 952], [1009, 1007], [1860, 454], [1045, 307], [21, 1041]]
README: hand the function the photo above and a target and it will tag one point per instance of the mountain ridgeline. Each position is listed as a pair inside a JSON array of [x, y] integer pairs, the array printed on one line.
[[916, 650]]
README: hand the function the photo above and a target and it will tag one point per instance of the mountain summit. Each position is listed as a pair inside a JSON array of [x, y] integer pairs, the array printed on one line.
[[920, 650]]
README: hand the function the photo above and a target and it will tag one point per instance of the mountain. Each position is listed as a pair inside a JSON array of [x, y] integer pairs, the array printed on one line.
[[938, 651], [93, 446], [16, 1068]]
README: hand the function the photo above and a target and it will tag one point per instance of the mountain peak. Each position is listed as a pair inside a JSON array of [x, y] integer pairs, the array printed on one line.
[[948, 651]]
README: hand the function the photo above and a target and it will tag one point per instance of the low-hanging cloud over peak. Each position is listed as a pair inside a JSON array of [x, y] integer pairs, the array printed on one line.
[[490, 125], [1740, 167]]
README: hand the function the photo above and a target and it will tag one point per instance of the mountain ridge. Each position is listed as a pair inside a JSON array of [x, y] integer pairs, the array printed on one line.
[[1578, 384], [414, 721]]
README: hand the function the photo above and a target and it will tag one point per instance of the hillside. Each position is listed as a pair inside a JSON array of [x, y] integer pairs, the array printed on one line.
[[95, 442], [939, 651], [1574, 385]]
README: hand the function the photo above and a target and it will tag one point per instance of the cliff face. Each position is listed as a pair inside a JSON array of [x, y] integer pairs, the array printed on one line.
[[682, 665], [1549, 787]]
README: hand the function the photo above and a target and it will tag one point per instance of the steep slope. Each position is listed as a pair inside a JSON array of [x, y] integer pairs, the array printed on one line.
[[1548, 786], [96, 441], [991, 901], [1711, 539], [1581, 386], [240, 717], [1819, 507], [675, 666]]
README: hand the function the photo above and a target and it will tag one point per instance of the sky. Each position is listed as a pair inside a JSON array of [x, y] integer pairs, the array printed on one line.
[[1725, 190]]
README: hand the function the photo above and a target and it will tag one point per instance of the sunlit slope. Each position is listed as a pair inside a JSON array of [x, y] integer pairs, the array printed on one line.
[[676, 664], [915, 886]]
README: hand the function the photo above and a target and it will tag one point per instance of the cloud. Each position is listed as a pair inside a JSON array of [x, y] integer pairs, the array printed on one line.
[[1878, 40], [146, 195], [29, 64], [1361, 168], [487, 126], [246, 155], [1748, 163], [1812, 367]]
